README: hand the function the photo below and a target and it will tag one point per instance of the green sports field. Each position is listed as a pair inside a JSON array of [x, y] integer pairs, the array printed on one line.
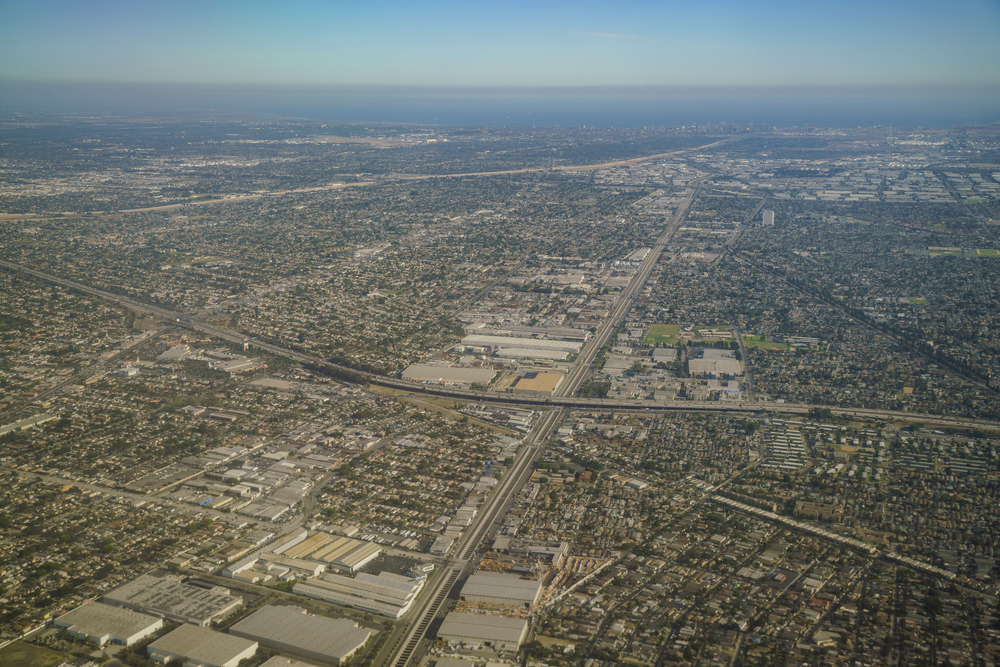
[[755, 341], [662, 333]]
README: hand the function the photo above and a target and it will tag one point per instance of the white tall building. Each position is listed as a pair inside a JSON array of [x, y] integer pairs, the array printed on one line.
[[769, 218]]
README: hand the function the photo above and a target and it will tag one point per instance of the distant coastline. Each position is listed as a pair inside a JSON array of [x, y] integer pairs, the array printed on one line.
[[524, 107]]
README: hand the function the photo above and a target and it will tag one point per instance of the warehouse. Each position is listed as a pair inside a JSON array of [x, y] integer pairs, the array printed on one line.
[[283, 544], [292, 630], [386, 594], [282, 661], [342, 553], [448, 374], [101, 624], [298, 566], [339, 552], [168, 596], [498, 632], [200, 647], [530, 353], [506, 590], [537, 384], [513, 342]]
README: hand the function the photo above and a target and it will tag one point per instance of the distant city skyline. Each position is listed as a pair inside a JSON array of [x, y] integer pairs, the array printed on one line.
[[717, 43]]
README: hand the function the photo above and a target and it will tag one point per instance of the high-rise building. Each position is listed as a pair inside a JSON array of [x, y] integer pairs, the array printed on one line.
[[769, 218]]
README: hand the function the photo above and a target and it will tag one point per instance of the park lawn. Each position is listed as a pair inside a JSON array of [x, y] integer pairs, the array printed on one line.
[[23, 654], [988, 252], [918, 301], [662, 333], [858, 221], [755, 341]]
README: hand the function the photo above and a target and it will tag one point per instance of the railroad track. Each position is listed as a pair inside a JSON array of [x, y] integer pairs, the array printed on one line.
[[425, 621]]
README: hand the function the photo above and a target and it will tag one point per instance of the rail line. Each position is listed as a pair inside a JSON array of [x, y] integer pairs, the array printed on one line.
[[425, 621]]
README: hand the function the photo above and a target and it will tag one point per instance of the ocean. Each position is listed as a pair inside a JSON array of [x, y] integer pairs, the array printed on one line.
[[534, 107]]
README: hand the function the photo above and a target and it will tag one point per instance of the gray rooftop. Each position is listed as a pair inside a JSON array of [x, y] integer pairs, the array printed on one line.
[[293, 627], [101, 620], [457, 374], [482, 626], [202, 645], [282, 661], [502, 586], [169, 596]]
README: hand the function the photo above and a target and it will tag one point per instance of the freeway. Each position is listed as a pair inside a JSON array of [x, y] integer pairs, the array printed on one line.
[[236, 198], [759, 407]]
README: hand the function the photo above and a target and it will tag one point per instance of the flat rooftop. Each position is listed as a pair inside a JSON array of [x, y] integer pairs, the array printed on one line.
[[169, 596], [454, 374], [202, 645], [100, 620], [545, 382], [294, 628], [483, 627], [502, 586]]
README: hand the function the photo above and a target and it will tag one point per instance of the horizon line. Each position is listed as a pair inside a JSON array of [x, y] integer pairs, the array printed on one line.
[[466, 88]]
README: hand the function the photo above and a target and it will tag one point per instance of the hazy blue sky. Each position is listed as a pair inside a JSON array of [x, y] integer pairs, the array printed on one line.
[[496, 43]]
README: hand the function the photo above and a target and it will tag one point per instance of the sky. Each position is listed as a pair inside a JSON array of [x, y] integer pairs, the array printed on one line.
[[557, 43]]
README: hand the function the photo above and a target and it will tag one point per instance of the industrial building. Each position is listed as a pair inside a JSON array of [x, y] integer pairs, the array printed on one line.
[[101, 624], [341, 553], [548, 550], [234, 366], [499, 632], [537, 384], [441, 545], [386, 594], [551, 333], [200, 647], [638, 256], [282, 661], [448, 374], [283, 544], [292, 630], [295, 565], [525, 353], [492, 343], [505, 590], [170, 597], [712, 361]]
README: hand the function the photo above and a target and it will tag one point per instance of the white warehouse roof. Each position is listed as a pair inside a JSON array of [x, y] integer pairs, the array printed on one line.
[[291, 629], [513, 342], [483, 628], [508, 588], [101, 623]]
